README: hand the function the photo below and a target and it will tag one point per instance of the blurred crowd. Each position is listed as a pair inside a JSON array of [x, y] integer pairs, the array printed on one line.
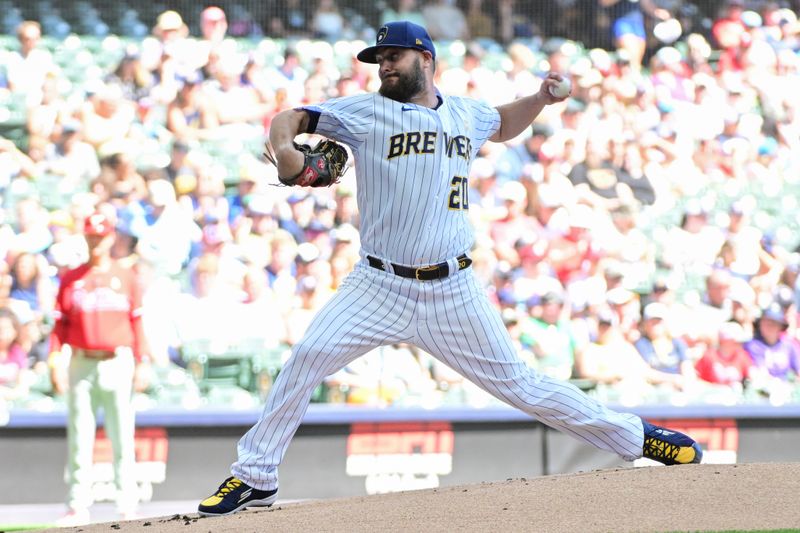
[[641, 239]]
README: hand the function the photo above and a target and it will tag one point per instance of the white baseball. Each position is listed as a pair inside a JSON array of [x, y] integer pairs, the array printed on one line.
[[562, 89]]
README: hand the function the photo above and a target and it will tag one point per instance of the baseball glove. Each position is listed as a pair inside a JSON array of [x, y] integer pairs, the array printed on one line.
[[324, 164]]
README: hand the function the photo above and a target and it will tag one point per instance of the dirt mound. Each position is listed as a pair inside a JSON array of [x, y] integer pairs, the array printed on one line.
[[679, 498]]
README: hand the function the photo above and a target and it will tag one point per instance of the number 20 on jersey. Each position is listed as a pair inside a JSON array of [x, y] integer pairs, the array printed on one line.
[[459, 194]]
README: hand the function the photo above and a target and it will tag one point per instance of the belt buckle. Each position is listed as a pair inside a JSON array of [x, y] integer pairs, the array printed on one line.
[[424, 269]]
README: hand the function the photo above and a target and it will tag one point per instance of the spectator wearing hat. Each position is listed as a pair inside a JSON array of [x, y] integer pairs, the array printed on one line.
[[622, 239], [299, 215], [613, 273], [774, 354], [547, 333], [165, 243], [659, 348], [611, 360], [170, 38], [259, 217], [318, 231], [130, 225], [213, 29], [624, 306], [70, 157], [217, 240], [170, 27], [98, 356], [346, 205], [726, 362], [246, 188]]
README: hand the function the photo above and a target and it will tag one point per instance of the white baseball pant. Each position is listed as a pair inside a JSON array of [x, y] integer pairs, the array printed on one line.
[[453, 320]]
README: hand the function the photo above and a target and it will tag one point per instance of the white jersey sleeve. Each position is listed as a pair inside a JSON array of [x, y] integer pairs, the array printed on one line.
[[348, 120]]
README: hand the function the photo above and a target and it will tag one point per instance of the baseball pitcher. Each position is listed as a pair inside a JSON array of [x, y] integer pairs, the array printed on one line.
[[413, 147]]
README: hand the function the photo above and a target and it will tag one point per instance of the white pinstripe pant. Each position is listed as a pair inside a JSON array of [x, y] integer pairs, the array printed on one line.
[[453, 320]]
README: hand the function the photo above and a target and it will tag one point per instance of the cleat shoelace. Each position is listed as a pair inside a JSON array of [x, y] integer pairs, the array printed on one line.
[[228, 487], [658, 448]]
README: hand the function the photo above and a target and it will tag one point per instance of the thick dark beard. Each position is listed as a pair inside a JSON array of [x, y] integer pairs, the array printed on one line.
[[407, 85]]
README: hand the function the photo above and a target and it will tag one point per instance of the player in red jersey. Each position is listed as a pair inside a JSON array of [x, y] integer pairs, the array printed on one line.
[[98, 352]]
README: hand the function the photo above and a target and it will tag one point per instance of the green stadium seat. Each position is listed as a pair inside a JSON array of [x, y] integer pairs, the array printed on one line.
[[246, 364], [56, 193]]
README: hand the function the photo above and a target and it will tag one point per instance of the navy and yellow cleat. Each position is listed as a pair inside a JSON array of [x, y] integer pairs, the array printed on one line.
[[669, 447], [233, 496]]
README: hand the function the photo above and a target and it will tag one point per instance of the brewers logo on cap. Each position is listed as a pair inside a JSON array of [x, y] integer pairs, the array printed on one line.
[[400, 34]]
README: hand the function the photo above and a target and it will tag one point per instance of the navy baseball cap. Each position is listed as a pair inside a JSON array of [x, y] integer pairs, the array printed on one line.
[[400, 34]]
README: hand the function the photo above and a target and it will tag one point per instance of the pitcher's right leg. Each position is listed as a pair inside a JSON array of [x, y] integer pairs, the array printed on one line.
[[369, 310]]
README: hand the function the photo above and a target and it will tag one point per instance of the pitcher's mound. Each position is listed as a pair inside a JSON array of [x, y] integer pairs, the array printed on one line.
[[677, 498]]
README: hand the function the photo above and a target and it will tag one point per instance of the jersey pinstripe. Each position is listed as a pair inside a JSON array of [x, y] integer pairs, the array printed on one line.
[[412, 203], [453, 320], [411, 164]]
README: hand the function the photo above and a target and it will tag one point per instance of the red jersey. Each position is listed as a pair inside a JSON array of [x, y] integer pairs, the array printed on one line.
[[97, 310], [712, 367]]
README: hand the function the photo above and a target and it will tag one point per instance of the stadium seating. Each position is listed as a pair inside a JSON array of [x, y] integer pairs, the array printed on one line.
[[246, 364]]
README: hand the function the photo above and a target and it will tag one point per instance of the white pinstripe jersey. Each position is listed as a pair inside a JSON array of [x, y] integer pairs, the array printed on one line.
[[412, 164]]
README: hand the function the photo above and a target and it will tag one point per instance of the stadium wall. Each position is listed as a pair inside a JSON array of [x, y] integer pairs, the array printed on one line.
[[340, 452]]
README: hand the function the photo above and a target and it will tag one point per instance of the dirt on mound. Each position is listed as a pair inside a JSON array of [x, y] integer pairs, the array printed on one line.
[[678, 498]]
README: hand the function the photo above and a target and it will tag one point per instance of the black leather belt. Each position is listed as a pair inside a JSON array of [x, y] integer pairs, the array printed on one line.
[[426, 273]]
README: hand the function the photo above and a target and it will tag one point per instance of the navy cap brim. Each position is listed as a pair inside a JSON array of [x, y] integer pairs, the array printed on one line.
[[367, 55]]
